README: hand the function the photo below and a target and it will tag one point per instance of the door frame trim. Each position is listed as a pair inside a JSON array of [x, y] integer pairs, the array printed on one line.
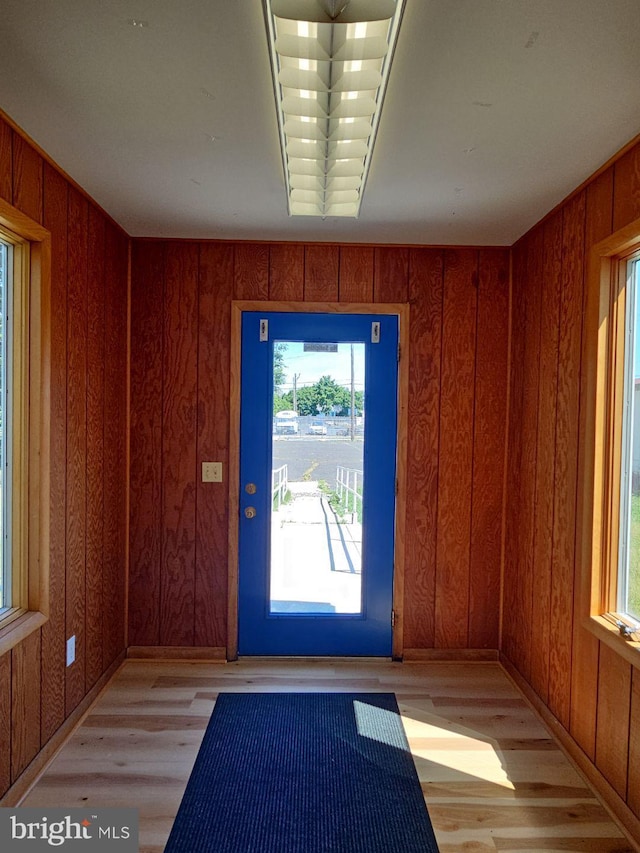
[[401, 310]]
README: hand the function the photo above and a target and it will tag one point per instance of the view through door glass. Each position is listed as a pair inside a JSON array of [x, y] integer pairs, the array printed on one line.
[[317, 478]]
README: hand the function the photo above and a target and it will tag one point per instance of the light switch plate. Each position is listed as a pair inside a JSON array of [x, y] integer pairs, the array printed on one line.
[[212, 472]]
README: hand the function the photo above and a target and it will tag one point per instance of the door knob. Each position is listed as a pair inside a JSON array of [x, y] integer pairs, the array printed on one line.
[[250, 512], [251, 488]]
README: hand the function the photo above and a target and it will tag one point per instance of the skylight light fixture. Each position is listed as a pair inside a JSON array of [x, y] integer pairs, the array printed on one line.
[[330, 60]]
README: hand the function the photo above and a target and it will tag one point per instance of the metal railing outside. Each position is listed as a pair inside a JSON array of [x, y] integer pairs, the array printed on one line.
[[348, 480], [279, 485]]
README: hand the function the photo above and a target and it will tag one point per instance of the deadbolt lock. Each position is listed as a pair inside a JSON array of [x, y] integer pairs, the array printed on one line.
[[250, 512], [251, 488]]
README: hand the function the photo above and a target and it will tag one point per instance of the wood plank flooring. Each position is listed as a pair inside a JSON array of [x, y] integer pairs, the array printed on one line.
[[492, 777]]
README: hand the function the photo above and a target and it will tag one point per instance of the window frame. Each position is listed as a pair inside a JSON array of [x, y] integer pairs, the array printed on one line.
[[11, 587], [6, 249], [601, 434], [631, 271], [30, 425]]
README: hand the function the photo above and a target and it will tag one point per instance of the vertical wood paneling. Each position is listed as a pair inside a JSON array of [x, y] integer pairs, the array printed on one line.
[[6, 162], [586, 684], [147, 289], [515, 554], [37, 690], [550, 286], [566, 463], [177, 589], [531, 377], [356, 274], [95, 444], [391, 274], [252, 271], [355, 279], [321, 270], [27, 178], [25, 703], [456, 447], [488, 453], [614, 704], [54, 630], [212, 522], [76, 443], [286, 272], [599, 208], [512, 557], [115, 430], [626, 198], [633, 783], [5, 721], [584, 671], [425, 348], [397, 267]]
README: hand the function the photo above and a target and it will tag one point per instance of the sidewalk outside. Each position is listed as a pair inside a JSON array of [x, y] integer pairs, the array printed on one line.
[[315, 560]]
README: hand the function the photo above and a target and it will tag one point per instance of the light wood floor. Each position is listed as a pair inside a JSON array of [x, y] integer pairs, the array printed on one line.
[[492, 777]]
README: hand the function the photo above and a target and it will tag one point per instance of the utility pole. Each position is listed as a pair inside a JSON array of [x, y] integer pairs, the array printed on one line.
[[296, 376]]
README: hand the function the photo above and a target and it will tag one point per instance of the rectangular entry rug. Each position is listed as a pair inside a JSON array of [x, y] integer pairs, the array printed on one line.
[[303, 773]]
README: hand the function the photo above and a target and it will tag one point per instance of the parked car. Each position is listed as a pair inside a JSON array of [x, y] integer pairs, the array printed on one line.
[[317, 428]]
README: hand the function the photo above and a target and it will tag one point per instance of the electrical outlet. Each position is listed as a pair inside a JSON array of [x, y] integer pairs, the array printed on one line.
[[71, 650], [212, 472]]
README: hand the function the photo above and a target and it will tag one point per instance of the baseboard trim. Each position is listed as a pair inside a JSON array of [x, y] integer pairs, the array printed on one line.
[[450, 655], [30, 775], [215, 654], [611, 800]]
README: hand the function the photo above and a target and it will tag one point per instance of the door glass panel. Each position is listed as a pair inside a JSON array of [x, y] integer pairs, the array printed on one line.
[[317, 478]]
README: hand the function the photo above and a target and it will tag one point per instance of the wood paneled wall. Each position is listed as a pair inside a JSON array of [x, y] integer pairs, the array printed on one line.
[[181, 299], [88, 459], [180, 303], [591, 690]]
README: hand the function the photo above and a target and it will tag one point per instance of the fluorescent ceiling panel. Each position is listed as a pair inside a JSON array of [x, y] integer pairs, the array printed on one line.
[[331, 61]]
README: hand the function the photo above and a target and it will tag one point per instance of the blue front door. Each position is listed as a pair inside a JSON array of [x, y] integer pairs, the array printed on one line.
[[317, 483]]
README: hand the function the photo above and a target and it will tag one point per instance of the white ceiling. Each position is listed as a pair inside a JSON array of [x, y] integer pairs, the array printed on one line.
[[495, 110]]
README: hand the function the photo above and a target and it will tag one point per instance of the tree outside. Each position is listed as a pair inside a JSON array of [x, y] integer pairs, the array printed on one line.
[[279, 375], [325, 397]]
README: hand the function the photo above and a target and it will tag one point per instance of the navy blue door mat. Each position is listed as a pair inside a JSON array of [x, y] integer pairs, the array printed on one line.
[[303, 773]]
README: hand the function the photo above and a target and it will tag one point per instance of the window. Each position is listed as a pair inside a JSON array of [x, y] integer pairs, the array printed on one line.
[[24, 425], [6, 277], [628, 570], [15, 293], [608, 547]]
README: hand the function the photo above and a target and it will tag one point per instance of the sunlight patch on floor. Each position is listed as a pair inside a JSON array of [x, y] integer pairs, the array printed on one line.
[[459, 753]]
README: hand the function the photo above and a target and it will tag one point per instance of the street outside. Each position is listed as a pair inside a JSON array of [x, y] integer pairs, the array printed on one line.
[[316, 456]]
